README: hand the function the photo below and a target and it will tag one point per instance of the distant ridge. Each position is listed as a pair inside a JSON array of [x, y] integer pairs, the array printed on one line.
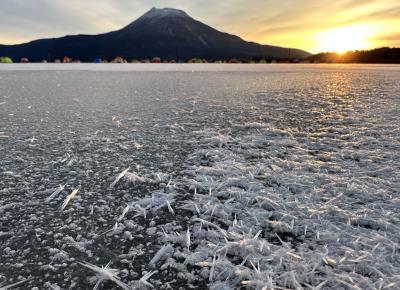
[[167, 33]]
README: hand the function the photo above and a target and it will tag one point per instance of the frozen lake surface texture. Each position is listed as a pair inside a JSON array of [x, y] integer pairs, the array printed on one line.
[[199, 177]]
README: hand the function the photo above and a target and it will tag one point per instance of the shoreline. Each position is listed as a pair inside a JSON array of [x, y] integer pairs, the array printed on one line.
[[284, 67]]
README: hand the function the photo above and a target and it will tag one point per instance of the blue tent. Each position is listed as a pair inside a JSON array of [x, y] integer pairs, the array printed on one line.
[[98, 60]]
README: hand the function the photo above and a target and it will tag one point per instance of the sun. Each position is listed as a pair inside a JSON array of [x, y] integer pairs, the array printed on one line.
[[345, 38]]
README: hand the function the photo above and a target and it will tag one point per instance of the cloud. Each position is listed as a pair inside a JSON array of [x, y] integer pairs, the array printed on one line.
[[278, 22]]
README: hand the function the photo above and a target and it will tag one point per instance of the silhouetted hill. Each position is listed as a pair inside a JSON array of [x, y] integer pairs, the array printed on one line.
[[166, 33], [379, 55]]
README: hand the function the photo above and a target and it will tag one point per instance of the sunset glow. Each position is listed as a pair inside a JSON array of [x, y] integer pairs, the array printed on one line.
[[346, 38]]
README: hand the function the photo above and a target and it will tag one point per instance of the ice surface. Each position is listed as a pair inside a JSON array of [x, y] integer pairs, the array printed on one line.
[[210, 67], [280, 177]]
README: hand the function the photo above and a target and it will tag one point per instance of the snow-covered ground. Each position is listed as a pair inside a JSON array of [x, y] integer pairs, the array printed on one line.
[[273, 178]]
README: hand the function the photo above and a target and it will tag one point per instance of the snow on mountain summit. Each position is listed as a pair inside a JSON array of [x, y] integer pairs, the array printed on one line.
[[164, 12]]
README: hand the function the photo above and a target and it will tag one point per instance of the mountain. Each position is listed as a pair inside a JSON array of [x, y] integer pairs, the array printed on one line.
[[166, 33]]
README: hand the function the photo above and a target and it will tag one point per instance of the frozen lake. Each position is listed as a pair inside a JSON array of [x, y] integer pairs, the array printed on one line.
[[200, 176]]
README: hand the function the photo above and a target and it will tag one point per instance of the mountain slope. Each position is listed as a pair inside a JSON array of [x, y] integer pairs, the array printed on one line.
[[167, 33]]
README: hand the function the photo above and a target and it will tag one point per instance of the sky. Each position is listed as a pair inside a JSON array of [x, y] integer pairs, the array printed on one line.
[[312, 25]]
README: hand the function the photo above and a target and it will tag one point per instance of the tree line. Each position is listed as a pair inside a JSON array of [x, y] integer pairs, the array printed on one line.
[[378, 55]]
